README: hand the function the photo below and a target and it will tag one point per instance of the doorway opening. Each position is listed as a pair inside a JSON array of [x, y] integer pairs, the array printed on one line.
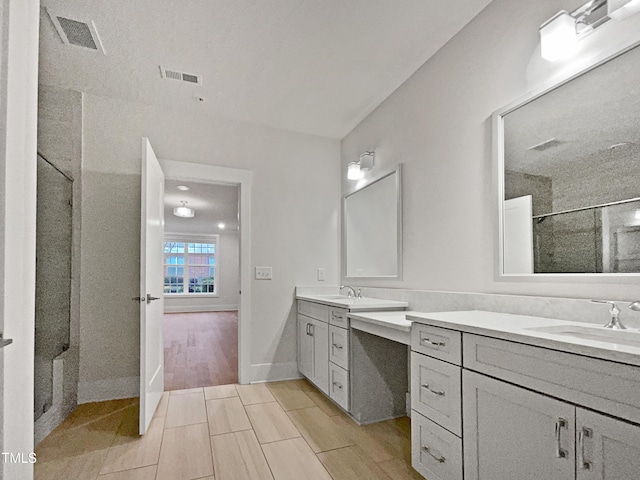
[[201, 284]]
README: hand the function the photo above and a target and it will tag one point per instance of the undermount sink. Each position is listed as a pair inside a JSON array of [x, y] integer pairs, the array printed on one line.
[[598, 334], [335, 297]]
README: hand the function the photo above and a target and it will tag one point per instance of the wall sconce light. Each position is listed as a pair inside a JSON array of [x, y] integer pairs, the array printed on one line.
[[184, 211], [356, 170], [621, 9], [560, 34]]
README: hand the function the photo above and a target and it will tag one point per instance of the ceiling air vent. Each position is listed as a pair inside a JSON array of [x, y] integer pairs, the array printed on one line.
[[174, 74], [76, 32], [546, 145]]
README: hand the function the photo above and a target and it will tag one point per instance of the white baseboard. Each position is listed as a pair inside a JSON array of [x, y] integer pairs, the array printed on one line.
[[271, 372], [198, 308], [108, 389]]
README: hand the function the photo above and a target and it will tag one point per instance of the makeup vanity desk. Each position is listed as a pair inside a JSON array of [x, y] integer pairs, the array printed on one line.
[[356, 351]]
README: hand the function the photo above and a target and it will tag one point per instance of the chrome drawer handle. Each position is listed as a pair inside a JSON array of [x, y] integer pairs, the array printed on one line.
[[560, 424], [436, 344], [584, 433], [336, 384], [437, 392], [440, 458], [339, 347]]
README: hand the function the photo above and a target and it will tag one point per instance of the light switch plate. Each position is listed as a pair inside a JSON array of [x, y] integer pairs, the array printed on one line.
[[321, 274], [264, 273]]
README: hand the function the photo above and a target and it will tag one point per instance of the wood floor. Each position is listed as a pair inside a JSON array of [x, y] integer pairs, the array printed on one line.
[[275, 431], [200, 349]]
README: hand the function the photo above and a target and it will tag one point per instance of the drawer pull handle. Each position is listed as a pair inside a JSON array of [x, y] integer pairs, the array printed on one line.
[[338, 385], [440, 458], [584, 433], [435, 344], [436, 392], [560, 424], [339, 347]]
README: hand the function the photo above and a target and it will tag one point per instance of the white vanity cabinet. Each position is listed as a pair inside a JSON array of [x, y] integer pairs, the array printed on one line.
[[510, 432], [325, 355], [528, 412], [436, 403], [313, 337]]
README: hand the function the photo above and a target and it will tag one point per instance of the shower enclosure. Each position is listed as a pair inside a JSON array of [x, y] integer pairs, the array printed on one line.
[[53, 278]]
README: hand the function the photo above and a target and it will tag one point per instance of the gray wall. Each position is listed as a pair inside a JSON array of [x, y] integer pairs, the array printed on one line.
[[295, 212], [439, 124]]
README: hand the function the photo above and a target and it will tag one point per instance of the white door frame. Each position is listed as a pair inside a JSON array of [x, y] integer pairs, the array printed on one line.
[[18, 136], [195, 172]]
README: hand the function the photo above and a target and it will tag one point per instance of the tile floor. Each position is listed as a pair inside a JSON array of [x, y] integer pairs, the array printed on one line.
[[278, 431]]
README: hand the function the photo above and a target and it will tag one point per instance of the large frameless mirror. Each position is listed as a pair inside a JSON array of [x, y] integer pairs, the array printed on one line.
[[569, 167]]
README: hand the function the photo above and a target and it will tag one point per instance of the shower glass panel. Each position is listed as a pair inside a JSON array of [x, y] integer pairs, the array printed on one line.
[[53, 278], [600, 239]]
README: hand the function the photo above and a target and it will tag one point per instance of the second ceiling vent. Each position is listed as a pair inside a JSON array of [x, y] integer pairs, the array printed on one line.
[[173, 74]]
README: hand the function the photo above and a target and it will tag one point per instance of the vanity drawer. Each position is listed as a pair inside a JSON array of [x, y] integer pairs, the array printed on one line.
[[339, 385], [437, 342], [338, 317], [602, 385], [314, 310], [435, 452], [436, 391], [339, 346]]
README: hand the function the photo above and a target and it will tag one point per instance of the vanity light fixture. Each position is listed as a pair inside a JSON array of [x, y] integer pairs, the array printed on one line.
[[560, 34], [621, 9], [356, 170], [184, 211], [221, 226]]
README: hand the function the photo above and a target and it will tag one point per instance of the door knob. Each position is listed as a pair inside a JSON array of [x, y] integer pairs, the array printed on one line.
[[139, 299], [150, 298]]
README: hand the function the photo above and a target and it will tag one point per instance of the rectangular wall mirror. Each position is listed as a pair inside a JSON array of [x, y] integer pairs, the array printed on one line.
[[569, 175], [372, 229]]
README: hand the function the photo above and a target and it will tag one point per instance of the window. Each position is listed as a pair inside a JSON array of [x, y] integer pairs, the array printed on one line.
[[190, 266]]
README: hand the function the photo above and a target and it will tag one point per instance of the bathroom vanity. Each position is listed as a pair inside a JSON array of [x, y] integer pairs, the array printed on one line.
[[341, 361], [500, 397]]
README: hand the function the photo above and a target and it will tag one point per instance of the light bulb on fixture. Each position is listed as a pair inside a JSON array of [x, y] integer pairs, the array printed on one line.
[[356, 170], [221, 226], [558, 37], [353, 171], [184, 211]]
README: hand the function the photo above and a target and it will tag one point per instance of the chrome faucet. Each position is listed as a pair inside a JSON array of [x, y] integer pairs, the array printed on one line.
[[351, 292], [615, 322]]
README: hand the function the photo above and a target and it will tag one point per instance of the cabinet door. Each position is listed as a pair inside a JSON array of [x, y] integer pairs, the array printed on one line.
[[512, 433], [320, 335], [608, 449], [305, 346]]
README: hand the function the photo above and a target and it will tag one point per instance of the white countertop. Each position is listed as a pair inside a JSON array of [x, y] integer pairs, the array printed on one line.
[[353, 304], [516, 328], [395, 320], [390, 325]]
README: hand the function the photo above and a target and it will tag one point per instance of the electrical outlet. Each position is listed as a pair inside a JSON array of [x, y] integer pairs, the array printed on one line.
[[321, 274], [264, 273]]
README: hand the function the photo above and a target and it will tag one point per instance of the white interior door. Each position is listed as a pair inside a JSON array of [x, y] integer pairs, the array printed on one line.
[[151, 286], [518, 235]]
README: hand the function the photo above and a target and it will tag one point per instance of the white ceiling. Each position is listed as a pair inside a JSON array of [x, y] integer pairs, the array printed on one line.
[[586, 116], [213, 204], [313, 66]]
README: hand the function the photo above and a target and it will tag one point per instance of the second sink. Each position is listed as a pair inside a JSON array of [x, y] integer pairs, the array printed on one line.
[[598, 334]]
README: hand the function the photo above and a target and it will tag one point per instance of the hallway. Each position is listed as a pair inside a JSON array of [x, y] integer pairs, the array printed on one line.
[[200, 349]]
